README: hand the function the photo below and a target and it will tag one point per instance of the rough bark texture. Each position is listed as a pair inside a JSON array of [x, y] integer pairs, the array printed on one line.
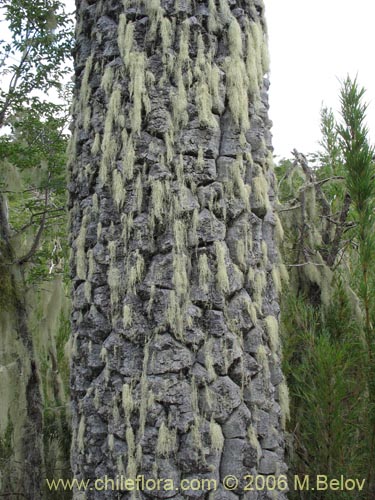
[[175, 349]]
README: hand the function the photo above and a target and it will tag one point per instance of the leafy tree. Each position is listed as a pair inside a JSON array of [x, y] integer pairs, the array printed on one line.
[[33, 62]]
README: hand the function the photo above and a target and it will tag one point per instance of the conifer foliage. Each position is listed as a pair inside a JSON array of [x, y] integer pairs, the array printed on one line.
[[328, 311]]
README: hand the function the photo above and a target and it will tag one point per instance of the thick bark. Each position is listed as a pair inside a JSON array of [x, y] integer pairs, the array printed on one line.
[[175, 348]]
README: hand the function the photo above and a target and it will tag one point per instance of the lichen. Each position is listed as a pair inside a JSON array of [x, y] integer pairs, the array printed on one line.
[[222, 279], [138, 91], [253, 439], [81, 434], [180, 277], [284, 403], [166, 443], [80, 249], [128, 154], [125, 38], [135, 271], [107, 80], [204, 273], [179, 103], [272, 328], [237, 85], [208, 360], [213, 22], [262, 359], [235, 39], [260, 191], [127, 315], [118, 189], [216, 436], [204, 104], [109, 143]]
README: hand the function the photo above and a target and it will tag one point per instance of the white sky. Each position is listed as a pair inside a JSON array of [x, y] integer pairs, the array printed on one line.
[[314, 44]]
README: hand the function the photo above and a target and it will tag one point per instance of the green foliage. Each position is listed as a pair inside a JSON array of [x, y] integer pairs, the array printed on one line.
[[33, 61], [359, 168], [35, 56], [33, 122], [323, 366], [327, 214]]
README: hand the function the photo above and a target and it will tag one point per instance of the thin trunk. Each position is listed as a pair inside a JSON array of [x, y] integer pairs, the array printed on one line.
[[21, 417]]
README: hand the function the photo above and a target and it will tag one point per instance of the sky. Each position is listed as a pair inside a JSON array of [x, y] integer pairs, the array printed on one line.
[[313, 45]]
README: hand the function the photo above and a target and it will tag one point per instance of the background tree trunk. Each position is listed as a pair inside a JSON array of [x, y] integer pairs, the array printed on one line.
[[21, 416], [175, 346]]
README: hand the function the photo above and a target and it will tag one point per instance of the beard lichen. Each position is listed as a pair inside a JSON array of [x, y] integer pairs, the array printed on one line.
[[272, 328], [222, 280], [216, 436]]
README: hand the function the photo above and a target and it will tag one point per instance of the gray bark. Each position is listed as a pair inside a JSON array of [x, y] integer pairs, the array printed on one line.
[[175, 353]]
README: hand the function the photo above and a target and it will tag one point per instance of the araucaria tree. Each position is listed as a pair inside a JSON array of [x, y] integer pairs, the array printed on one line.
[[175, 345]]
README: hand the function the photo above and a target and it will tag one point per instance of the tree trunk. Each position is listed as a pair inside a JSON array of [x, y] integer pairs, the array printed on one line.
[[175, 346], [21, 416]]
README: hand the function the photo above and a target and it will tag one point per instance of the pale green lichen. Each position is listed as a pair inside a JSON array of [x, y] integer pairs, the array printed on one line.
[[118, 189], [225, 12], [216, 436], [279, 231], [241, 252], [276, 278], [155, 15], [138, 189], [127, 401], [235, 39], [114, 282], [253, 439], [264, 249], [179, 236], [80, 249], [204, 273], [95, 148], [125, 38], [284, 403], [272, 328], [244, 190], [260, 191], [166, 32], [128, 154], [131, 469], [222, 279], [167, 441], [208, 360], [237, 85], [107, 80], [262, 359], [135, 270], [127, 315], [175, 316], [180, 277], [213, 22], [138, 90], [204, 103], [109, 143], [81, 434], [260, 282], [179, 103]]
